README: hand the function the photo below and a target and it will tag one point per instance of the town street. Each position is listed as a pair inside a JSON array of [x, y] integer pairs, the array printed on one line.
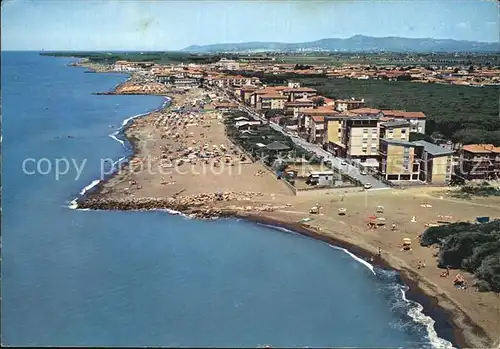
[[336, 162]]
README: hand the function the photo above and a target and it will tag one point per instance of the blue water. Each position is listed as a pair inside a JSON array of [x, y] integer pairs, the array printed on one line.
[[89, 278]]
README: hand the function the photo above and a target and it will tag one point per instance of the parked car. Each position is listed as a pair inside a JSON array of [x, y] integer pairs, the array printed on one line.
[[343, 163], [363, 172], [367, 185]]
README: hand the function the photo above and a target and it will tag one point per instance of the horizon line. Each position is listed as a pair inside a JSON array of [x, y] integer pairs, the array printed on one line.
[[345, 38], [253, 41]]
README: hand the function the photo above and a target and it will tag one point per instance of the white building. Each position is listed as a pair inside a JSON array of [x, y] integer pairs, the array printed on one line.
[[228, 64]]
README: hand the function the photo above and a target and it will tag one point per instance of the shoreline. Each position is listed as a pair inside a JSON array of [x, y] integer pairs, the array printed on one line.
[[445, 327], [130, 146], [446, 324]]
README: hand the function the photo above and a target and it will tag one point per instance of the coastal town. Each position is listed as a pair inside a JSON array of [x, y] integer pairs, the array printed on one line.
[[251, 174], [337, 170], [374, 140]]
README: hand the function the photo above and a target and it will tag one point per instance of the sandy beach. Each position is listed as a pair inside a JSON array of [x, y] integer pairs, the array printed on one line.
[[185, 162]]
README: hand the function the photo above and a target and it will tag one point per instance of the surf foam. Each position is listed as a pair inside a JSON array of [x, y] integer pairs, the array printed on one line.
[[73, 203], [360, 260], [415, 310], [416, 313]]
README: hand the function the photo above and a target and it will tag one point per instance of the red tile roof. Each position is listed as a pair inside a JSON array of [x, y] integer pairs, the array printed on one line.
[[404, 114], [481, 148], [300, 102], [299, 89], [361, 111], [349, 101], [320, 111], [318, 119], [273, 95]]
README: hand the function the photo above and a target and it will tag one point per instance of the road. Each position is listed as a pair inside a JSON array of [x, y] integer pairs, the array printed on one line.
[[336, 162]]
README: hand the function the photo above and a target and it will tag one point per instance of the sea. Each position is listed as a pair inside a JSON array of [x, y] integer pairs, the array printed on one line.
[[108, 278]]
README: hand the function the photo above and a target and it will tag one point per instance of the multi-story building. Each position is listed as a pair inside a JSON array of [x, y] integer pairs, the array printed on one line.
[[123, 66], [178, 80], [479, 161], [398, 130], [295, 107], [436, 163], [271, 101], [399, 160], [418, 161], [255, 97], [317, 129], [299, 92], [416, 119], [243, 93], [317, 115], [360, 135], [334, 134], [227, 64], [343, 105]]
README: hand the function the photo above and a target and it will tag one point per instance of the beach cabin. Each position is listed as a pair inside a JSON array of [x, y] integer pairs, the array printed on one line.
[[240, 118], [247, 125], [323, 178]]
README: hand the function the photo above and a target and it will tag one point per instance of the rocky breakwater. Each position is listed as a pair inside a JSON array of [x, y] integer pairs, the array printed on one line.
[[204, 206]]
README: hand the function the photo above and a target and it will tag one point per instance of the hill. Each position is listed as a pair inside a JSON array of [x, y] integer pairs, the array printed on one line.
[[357, 43]]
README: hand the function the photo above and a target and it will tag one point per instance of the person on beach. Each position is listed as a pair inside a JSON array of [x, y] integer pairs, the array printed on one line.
[[379, 252], [445, 273]]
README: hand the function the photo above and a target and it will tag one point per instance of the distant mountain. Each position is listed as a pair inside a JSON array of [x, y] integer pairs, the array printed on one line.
[[357, 43]]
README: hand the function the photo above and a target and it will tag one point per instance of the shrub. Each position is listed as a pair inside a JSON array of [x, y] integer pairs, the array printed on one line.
[[472, 247]]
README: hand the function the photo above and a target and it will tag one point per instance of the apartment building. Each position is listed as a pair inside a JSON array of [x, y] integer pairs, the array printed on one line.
[[436, 163], [178, 80], [335, 134], [163, 78], [317, 116], [399, 160], [416, 119], [360, 139], [123, 66], [243, 93], [299, 92], [317, 130], [418, 161], [227, 64], [271, 101], [479, 162], [398, 130], [343, 105], [295, 107]]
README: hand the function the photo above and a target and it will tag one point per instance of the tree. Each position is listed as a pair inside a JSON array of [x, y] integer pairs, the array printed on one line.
[[271, 113], [319, 101], [471, 69], [415, 136]]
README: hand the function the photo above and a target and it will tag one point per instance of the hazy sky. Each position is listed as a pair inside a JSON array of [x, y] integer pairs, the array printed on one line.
[[171, 25]]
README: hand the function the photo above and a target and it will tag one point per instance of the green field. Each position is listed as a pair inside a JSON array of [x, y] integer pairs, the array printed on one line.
[[461, 113], [337, 59]]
